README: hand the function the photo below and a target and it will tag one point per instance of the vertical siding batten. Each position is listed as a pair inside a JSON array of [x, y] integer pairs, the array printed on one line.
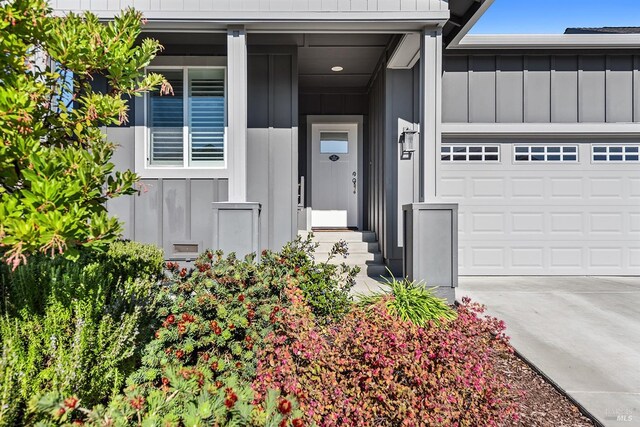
[[556, 88]]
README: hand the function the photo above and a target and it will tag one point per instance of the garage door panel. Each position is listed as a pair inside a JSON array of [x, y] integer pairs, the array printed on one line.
[[527, 188], [608, 223], [527, 223], [572, 218], [634, 190], [566, 257], [487, 257], [634, 222], [595, 258], [606, 188], [566, 222], [566, 188], [605, 257], [488, 188], [483, 223], [527, 257], [634, 258]]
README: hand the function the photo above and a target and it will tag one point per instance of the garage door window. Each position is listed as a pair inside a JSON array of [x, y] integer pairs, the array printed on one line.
[[546, 153], [470, 153], [615, 153]]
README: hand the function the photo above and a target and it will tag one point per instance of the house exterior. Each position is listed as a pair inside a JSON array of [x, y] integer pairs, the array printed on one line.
[[337, 113]]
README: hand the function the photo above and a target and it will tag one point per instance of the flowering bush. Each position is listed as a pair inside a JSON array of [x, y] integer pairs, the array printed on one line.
[[372, 369], [210, 318], [213, 318], [188, 401]]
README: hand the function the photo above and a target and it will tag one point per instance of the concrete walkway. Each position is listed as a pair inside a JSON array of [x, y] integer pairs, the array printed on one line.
[[583, 332]]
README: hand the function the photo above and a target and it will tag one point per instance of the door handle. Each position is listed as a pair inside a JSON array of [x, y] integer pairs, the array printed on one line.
[[354, 185]]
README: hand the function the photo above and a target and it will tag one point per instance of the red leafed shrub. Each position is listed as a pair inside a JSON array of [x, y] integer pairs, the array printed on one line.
[[372, 369]]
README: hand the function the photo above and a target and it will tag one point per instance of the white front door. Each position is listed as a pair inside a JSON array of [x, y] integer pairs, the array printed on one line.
[[334, 175]]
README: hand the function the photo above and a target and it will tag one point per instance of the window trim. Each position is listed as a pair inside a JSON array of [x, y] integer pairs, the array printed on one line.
[[143, 131], [609, 153], [468, 153], [546, 153]]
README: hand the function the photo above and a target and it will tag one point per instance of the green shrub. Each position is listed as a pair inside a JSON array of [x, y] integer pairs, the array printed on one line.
[[325, 286], [74, 327], [56, 173], [214, 317], [209, 323], [410, 301], [187, 400], [128, 260], [211, 318]]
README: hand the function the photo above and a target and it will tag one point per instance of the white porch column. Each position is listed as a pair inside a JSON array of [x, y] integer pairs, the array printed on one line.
[[237, 113], [430, 111]]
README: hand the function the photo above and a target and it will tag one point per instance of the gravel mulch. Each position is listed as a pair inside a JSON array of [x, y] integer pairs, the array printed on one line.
[[541, 404]]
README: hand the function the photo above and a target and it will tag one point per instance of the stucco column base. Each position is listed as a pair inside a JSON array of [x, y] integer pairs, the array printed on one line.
[[431, 246], [236, 228]]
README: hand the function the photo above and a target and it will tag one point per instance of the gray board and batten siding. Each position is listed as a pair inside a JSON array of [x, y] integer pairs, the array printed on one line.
[[178, 211], [392, 175], [541, 88]]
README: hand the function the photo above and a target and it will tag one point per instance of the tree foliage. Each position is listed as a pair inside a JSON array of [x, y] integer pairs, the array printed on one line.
[[55, 170]]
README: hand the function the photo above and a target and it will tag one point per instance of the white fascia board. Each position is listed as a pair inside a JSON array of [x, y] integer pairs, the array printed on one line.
[[467, 26], [548, 41], [344, 22], [406, 53], [540, 129]]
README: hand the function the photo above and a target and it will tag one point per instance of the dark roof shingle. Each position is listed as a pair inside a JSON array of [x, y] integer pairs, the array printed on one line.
[[603, 30]]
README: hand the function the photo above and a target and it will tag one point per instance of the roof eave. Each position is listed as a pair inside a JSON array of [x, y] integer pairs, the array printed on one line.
[[548, 41], [482, 8]]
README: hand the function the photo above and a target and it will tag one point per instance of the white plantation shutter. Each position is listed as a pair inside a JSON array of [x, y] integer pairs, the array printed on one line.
[[200, 130], [166, 123], [206, 116]]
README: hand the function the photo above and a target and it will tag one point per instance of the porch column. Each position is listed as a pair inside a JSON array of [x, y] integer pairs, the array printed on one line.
[[237, 113], [430, 111], [430, 250]]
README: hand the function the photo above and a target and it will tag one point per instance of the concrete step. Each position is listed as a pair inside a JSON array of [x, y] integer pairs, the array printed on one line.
[[354, 247], [352, 259], [347, 236], [366, 285], [375, 271]]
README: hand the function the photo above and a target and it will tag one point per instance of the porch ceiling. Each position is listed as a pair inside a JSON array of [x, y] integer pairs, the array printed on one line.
[[357, 54]]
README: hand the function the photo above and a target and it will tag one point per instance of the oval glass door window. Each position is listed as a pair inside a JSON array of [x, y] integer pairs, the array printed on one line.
[[334, 142]]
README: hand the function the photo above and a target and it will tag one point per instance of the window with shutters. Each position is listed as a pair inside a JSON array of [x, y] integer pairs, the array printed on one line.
[[188, 129]]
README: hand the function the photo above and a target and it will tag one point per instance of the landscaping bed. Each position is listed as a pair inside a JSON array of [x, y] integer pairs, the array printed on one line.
[[540, 404], [277, 342]]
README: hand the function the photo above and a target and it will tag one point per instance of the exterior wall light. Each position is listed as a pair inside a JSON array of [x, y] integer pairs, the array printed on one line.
[[409, 140], [337, 68]]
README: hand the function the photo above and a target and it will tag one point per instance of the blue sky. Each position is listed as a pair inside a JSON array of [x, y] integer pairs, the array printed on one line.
[[553, 16]]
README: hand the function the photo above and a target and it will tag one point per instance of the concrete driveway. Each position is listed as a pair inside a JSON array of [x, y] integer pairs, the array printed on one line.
[[583, 332]]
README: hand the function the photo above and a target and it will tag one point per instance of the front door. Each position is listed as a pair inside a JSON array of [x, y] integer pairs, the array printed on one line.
[[334, 175]]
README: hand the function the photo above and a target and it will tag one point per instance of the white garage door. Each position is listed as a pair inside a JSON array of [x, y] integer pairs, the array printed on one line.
[[561, 208]]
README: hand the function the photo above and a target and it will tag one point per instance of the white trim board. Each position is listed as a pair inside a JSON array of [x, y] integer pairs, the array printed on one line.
[[548, 41], [531, 129]]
